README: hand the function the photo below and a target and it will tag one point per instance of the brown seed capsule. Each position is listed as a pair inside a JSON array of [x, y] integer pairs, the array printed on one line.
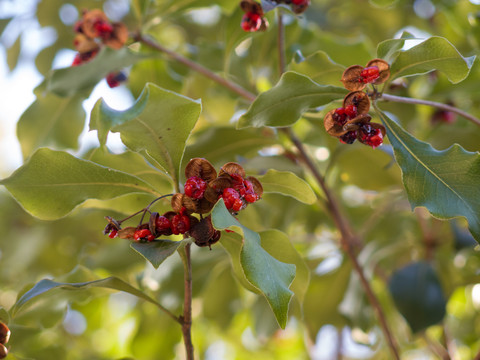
[[4, 333], [199, 206], [251, 6], [359, 99], [127, 233], [84, 44], [112, 225], [177, 202], [257, 185], [201, 168], [118, 37], [383, 68], [3, 351], [232, 168], [216, 187], [90, 20], [204, 233], [351, 78], [331, 124], [354, 123]]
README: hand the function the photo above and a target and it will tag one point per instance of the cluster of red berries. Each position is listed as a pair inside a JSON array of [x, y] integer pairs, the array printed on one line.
[[4, 337], [254, 18], [203, 188], [352, 122], [94, 30]]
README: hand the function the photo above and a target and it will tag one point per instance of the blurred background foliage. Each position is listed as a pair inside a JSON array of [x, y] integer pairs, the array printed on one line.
[[230, 322]]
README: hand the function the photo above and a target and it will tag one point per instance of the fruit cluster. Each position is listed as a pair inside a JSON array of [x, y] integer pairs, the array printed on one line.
[[254, 18], [4, 337], [203, 188], [94, 30], [298, 6], [352, 122]]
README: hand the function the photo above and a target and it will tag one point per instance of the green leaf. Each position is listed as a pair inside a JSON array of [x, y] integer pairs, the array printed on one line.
[[52, 183], [69, 81], [283, 104], [51, 121], [13, 53], [435, 53], [156, 251], [390, 48], [445, 182], [418, 295], [289, 184], [156, 126], [319, 67], [271, 276], [46, 285]]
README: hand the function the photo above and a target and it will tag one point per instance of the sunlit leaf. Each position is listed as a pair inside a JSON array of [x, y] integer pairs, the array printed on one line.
[[52, 183], [289, 184], [435, 53], [51, 121], [443, 181], [418, 295], [319, 67], [271, 276], [390, 48], [156, 251], [156, 126], [288, 100]]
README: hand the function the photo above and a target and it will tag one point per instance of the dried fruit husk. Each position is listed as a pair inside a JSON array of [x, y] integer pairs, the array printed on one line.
[[3, 351], [89, 20], [257, 185], [177, 202], [204, 233], [359, 99], [383, 69], [201, 168], [112, 225], [118, 37], [331, 126], [199, 206], [4, 333], [251, 6], [84, 44], [232, 168], [216, 187], [355, 123], [127, 233], [351, 76]]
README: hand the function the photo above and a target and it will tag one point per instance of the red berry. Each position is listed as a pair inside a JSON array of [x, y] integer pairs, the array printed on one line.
[[249, 193], [180, 224], [141, 234], [114, 79], [162, 224], [77, 60], [301, 2], [195, 187], [340, 117], [369, 74], [113, 234], [348, 138], [251, 22], [230, 197], [150, 237], [351, 111], [103, 28], [237, 205], [370, 136]]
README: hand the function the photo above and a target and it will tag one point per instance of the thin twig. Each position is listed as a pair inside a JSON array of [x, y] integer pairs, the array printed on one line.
[[436, 347], [438, 105], [187, 304], [197, 67]]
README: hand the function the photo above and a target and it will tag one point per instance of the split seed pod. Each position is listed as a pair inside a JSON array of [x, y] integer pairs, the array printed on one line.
[[359, 99], [383, 69], [201, 168], [232, 168], [90, 18], [118, 37], [257, 186], [4, 333], [353, 81]]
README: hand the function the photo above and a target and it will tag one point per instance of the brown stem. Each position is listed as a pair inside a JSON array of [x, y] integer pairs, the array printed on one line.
[[438, 105], [477, 357], [187, 304], [281, 42], [197, 67], [349, 241]]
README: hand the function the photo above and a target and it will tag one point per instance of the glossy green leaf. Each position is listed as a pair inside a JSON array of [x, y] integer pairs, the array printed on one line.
[[289, 184], [418, 295], [156, 126], [445, 182], [69, 81], [390, 48], [52, 183], [46, 285], [51, 121], [228, 144], [271, 276], [283, 104], [319, 67], [435, 53], [157, 251]]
